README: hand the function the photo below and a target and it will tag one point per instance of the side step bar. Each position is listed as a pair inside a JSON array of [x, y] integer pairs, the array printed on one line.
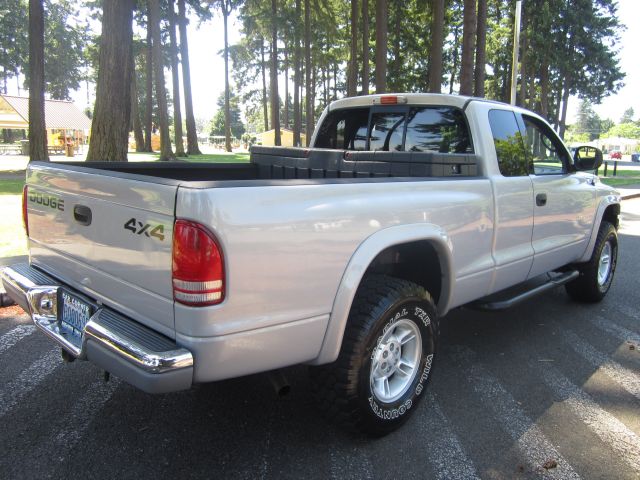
[[509, 302]]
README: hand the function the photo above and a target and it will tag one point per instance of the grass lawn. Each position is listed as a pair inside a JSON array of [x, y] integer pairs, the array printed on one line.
[[12, 238], [623, 176]]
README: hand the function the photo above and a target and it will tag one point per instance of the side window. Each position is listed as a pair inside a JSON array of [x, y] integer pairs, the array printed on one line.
[[544, 148], [439, 129], [344, 129], [387, 130], [507, 139]]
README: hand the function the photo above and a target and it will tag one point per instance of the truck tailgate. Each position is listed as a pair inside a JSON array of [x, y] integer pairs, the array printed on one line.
[[107, 234]]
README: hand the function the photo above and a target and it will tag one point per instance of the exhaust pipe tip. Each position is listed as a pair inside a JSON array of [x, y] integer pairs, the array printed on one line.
[[280, 383]]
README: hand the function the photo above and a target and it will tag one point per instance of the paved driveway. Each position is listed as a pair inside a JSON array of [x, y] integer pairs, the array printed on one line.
[[550, 389]]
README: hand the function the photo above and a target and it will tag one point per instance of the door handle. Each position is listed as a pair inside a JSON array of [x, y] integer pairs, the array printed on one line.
[[541, 199], [82, 215]]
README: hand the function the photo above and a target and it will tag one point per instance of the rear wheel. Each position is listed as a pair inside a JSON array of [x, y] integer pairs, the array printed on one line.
[[386, 357], [597, 274]]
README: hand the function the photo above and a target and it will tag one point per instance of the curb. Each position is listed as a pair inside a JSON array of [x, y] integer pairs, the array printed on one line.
[[631, 196]]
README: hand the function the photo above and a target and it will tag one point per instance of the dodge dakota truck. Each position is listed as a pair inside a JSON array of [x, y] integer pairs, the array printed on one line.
[[343, 256]]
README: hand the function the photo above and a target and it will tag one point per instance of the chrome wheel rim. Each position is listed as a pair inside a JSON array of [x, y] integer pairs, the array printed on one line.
[[395, 361], [604, 265]]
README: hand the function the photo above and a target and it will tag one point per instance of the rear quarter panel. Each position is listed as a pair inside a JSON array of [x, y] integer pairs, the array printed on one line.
[[286, 248]]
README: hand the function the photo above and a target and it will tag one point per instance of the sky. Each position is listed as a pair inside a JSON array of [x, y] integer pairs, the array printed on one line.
[[207, 67], [614, 106], [206, 42]]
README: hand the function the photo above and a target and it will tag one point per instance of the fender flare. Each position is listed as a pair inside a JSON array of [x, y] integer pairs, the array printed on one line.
[[366, 252], [605, 202]]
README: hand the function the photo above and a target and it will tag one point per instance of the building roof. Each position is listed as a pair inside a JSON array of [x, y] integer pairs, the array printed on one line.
[[57, 113]]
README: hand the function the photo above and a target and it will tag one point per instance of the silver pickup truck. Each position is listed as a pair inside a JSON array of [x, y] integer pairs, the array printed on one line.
[[343, 256]]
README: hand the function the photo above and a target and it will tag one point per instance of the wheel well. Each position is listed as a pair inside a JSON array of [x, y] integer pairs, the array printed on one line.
[[612, 215], [417, 262]]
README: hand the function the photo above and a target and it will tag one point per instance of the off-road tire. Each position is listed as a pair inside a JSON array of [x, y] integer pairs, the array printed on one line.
[[588, 287], [384, 308]]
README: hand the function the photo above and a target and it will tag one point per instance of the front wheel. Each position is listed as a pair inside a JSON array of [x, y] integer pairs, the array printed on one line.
[[386, 357], [597, 274]]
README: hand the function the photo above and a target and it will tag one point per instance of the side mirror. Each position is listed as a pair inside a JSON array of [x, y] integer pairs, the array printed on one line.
[[587, 158]]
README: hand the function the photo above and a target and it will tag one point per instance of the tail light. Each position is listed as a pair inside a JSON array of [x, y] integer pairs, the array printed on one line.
[[198, 265], [25, 217]]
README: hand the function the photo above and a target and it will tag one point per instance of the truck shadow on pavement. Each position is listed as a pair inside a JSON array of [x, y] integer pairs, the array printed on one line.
[[511, 393]]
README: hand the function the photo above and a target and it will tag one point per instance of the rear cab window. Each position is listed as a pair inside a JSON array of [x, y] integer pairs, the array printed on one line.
[[509, 144], [406, 128]]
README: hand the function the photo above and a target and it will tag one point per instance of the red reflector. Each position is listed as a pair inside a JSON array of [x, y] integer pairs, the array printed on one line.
[[389, 100], [25, 217], [198, 265]]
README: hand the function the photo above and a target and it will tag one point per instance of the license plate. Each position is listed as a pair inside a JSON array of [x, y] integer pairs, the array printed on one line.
[[74, 313]]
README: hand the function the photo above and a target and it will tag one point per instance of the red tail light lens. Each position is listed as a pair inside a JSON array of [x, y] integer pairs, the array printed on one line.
[[25, 217], [198, 265]]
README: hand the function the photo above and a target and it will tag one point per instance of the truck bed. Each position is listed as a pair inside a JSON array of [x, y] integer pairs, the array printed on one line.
[[282, 163]]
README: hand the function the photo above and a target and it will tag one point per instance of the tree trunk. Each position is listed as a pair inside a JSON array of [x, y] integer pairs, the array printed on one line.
[[437, 40], [148, 111], [523, 61], [297, 114], [312, 94], [468, 47], [565, 101], [166, 154], [175, 76], [382, 13], [265, 100], [112, 112], [135, 110], [286, 88], [454, 69], [481, 47], [307, 71], [544, 89], [352, 79], [365, 47], [192, 135], [227, 93], [275, 97], [37, 127]]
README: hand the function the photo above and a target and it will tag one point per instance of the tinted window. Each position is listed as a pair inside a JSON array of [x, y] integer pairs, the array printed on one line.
[[543, 148], [387, 130], [439, 129], [344, 129], [507, 139]]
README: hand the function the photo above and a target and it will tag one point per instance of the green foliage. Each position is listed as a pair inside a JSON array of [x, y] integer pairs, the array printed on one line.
[[65, 48], [216, 127], [14, 51], [571, 136], [606, 124], [624, 130], [587, 122], [627, 116]]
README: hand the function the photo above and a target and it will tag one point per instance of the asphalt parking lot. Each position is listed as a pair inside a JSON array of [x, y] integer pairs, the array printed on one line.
[[549, 389]]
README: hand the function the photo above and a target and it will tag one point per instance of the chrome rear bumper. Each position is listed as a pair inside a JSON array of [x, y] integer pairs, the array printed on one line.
[[139, 355]]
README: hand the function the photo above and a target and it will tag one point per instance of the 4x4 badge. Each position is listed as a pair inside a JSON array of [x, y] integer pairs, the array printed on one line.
[[139, 228]]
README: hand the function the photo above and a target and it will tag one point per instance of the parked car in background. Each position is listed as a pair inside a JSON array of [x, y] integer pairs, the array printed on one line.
[[617, 155]]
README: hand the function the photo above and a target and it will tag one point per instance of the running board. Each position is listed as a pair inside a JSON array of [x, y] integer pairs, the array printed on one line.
[[503, 304]]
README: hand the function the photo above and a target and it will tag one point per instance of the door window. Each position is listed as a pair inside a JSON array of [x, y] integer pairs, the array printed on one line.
[[544, 148]]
